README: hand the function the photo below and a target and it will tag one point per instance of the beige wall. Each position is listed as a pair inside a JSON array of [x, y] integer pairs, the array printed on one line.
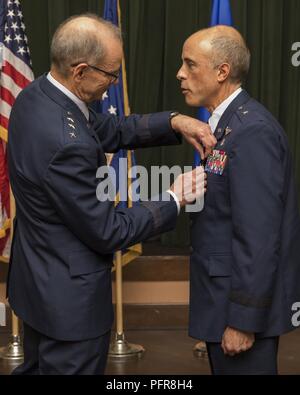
[[155, 292]]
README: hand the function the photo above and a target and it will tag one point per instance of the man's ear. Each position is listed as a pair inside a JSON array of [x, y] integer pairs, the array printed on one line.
[[223, 72], [78, 72]]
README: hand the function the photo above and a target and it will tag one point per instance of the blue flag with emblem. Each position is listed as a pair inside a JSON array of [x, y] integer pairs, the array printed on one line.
[[115, 102], [221, 15]]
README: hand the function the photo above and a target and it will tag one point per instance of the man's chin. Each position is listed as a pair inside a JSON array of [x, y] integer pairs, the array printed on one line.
[[192, 103]]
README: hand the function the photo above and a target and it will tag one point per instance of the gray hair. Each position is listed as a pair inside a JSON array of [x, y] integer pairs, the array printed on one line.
[[235, 53], [72, 45]]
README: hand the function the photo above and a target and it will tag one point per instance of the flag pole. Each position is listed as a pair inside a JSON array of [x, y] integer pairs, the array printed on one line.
[[200, 350], [14, 350], [119, 295], [120, 349]]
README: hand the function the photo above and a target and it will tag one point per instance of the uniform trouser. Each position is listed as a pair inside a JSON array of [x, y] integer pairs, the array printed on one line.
[[261, 359], [46, 356]]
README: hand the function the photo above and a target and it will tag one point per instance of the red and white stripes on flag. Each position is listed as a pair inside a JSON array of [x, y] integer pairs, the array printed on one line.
[[16, 74]]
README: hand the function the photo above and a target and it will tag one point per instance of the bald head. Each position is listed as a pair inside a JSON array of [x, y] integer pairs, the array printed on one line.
[[224, 44], [82, 38], [217, 32]]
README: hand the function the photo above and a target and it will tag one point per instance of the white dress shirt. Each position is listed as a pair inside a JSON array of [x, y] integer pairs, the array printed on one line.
[[176, 200], [219, 111]]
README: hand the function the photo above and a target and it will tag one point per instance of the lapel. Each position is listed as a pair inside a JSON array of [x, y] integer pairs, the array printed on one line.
[[236, 104], [93, 119]]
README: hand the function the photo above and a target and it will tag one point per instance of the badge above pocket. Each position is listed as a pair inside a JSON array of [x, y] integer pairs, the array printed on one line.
[[216, 162]]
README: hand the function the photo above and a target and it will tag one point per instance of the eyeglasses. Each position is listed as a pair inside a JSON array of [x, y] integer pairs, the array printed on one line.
[[111, 75]]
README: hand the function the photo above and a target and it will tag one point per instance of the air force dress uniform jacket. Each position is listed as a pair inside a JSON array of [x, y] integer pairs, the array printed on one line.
[[60, 270], [245, 268]]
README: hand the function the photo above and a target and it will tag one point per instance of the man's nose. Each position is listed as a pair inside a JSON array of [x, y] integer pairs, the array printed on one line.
[[180, 75]]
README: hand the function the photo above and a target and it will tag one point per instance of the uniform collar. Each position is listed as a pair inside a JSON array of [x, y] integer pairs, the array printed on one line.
[[219, 111], [236, 104], [81, 104], [61, 99]]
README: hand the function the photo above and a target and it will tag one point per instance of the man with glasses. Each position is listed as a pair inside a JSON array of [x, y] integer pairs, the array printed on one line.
[[60, 271], [113, 76]]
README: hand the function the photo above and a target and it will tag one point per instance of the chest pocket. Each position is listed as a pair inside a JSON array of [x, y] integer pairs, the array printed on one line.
[[217, 195], [215, 178]]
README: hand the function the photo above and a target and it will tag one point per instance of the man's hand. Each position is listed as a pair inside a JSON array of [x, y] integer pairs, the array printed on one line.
[[235, 342], [196, 133], [190, 186]]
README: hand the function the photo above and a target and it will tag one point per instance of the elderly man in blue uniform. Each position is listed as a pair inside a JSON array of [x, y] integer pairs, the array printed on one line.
[[245, 268], [60, 271]]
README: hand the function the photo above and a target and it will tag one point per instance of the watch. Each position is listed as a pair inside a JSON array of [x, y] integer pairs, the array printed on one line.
[[173, 115]]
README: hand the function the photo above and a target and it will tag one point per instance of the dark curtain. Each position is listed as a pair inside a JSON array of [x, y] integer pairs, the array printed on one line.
[[154, 31]]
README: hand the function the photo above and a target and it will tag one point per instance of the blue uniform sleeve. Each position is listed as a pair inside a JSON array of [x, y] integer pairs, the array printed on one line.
[[70, 183], [135, 131], [256, 188]]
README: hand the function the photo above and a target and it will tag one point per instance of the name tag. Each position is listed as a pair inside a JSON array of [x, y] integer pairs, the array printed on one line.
[[216, 162]]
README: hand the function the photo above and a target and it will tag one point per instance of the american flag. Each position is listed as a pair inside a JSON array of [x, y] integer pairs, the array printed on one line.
[[15, 74]]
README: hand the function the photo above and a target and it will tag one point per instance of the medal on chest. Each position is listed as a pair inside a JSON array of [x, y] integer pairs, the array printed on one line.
[[216, 162]]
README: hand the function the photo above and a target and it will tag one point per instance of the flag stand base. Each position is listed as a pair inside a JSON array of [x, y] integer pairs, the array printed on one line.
[[120, 349], [13, 351], [200, 350]]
